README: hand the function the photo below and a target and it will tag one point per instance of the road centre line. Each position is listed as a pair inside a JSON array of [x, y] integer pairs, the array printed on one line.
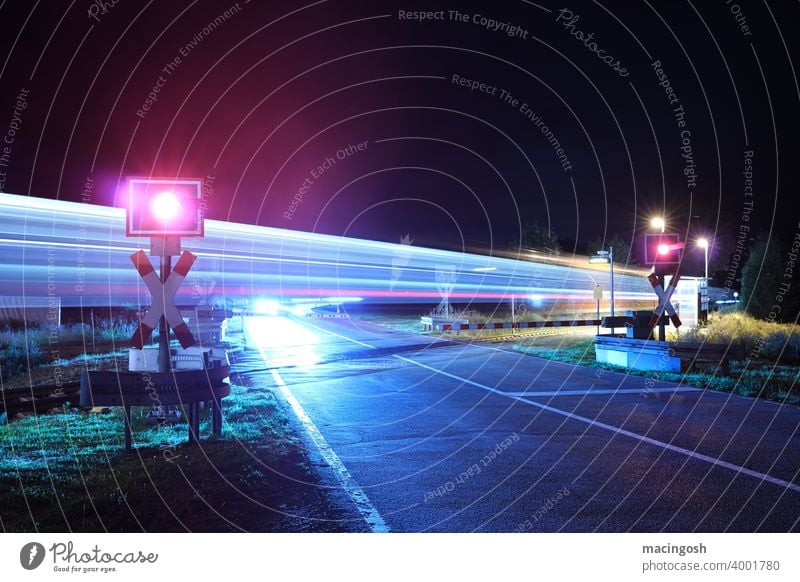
[[621, 431], [595, 423], [592, 392]]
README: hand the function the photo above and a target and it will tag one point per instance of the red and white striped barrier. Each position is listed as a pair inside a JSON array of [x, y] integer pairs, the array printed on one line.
[[516, 325], [163, 295]]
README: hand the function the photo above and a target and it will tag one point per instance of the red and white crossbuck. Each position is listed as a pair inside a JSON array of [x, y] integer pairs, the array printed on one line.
[[664, 300], [163, 299]]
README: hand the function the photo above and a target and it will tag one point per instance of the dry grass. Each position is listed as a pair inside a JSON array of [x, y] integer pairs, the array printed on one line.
[[776, 342]]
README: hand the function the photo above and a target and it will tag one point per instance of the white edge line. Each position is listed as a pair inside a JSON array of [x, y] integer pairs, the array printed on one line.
[[617, 430], [363, 504]]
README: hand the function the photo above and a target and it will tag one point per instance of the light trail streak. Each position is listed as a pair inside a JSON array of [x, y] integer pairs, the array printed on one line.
[[80, 252]]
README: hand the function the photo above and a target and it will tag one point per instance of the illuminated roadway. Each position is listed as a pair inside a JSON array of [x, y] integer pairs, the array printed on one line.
[[444, 436], [79, 253]]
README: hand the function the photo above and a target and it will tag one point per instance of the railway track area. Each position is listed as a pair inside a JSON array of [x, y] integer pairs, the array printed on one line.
[[38, 399]]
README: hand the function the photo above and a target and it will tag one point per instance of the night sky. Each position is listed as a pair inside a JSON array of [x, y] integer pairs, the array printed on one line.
[[364, 119]]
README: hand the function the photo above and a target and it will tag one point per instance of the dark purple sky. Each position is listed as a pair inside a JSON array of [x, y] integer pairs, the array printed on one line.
[[272, 100]]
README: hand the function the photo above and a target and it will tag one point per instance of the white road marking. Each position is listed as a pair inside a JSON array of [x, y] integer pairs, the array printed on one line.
[[590, 392], [350, 486], [617, 430]]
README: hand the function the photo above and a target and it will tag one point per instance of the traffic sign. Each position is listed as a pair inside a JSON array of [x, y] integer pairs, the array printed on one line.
[[664, 300], [163, 299], [598, 293]]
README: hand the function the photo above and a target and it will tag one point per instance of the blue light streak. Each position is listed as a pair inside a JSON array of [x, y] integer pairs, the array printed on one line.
[[79, 253]]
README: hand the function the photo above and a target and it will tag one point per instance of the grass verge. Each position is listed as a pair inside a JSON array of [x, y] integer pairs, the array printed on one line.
[[68, 472], [752, 377]]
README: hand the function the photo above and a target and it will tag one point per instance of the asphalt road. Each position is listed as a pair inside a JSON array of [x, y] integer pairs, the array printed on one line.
[[430, 435]]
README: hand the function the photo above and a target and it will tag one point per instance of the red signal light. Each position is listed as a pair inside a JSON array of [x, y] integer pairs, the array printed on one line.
[[164, 207], [662, 249]]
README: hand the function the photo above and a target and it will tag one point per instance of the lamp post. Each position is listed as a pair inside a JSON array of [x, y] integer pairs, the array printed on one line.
[[611, 269], [703, 244]]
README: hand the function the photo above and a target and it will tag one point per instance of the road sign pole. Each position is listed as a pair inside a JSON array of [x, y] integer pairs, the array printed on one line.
[[598, 316], [164, 356], [598, 295]]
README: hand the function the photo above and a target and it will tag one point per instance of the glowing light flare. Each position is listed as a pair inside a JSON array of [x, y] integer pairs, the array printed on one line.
[[300, 310], [702, 243], [335, 300], [659, 223], [165, 206], [283, 342], [267, 307], [663, 249]]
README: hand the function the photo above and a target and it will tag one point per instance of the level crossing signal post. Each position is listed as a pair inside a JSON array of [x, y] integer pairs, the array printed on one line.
[[164, 209], [663, 252]]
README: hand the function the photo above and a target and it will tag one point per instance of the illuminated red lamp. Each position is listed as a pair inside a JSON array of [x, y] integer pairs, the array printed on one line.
[[164, 207], [662, 249]]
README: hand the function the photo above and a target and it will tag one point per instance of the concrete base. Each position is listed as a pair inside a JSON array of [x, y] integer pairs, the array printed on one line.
[[636, 358]]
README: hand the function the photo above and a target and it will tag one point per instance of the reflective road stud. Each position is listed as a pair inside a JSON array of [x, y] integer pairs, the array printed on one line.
[[163, 295]]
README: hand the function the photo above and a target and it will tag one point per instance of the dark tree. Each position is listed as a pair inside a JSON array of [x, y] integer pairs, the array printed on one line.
[[764, 286], [623, 253], [538, 238]]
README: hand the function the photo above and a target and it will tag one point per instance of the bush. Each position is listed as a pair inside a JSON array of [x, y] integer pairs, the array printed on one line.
[[761, 339], [22, 349], [782, 341], [17, 359]]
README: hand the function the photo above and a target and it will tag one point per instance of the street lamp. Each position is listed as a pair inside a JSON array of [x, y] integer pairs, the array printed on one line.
[[658, 223], [703, 244]]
